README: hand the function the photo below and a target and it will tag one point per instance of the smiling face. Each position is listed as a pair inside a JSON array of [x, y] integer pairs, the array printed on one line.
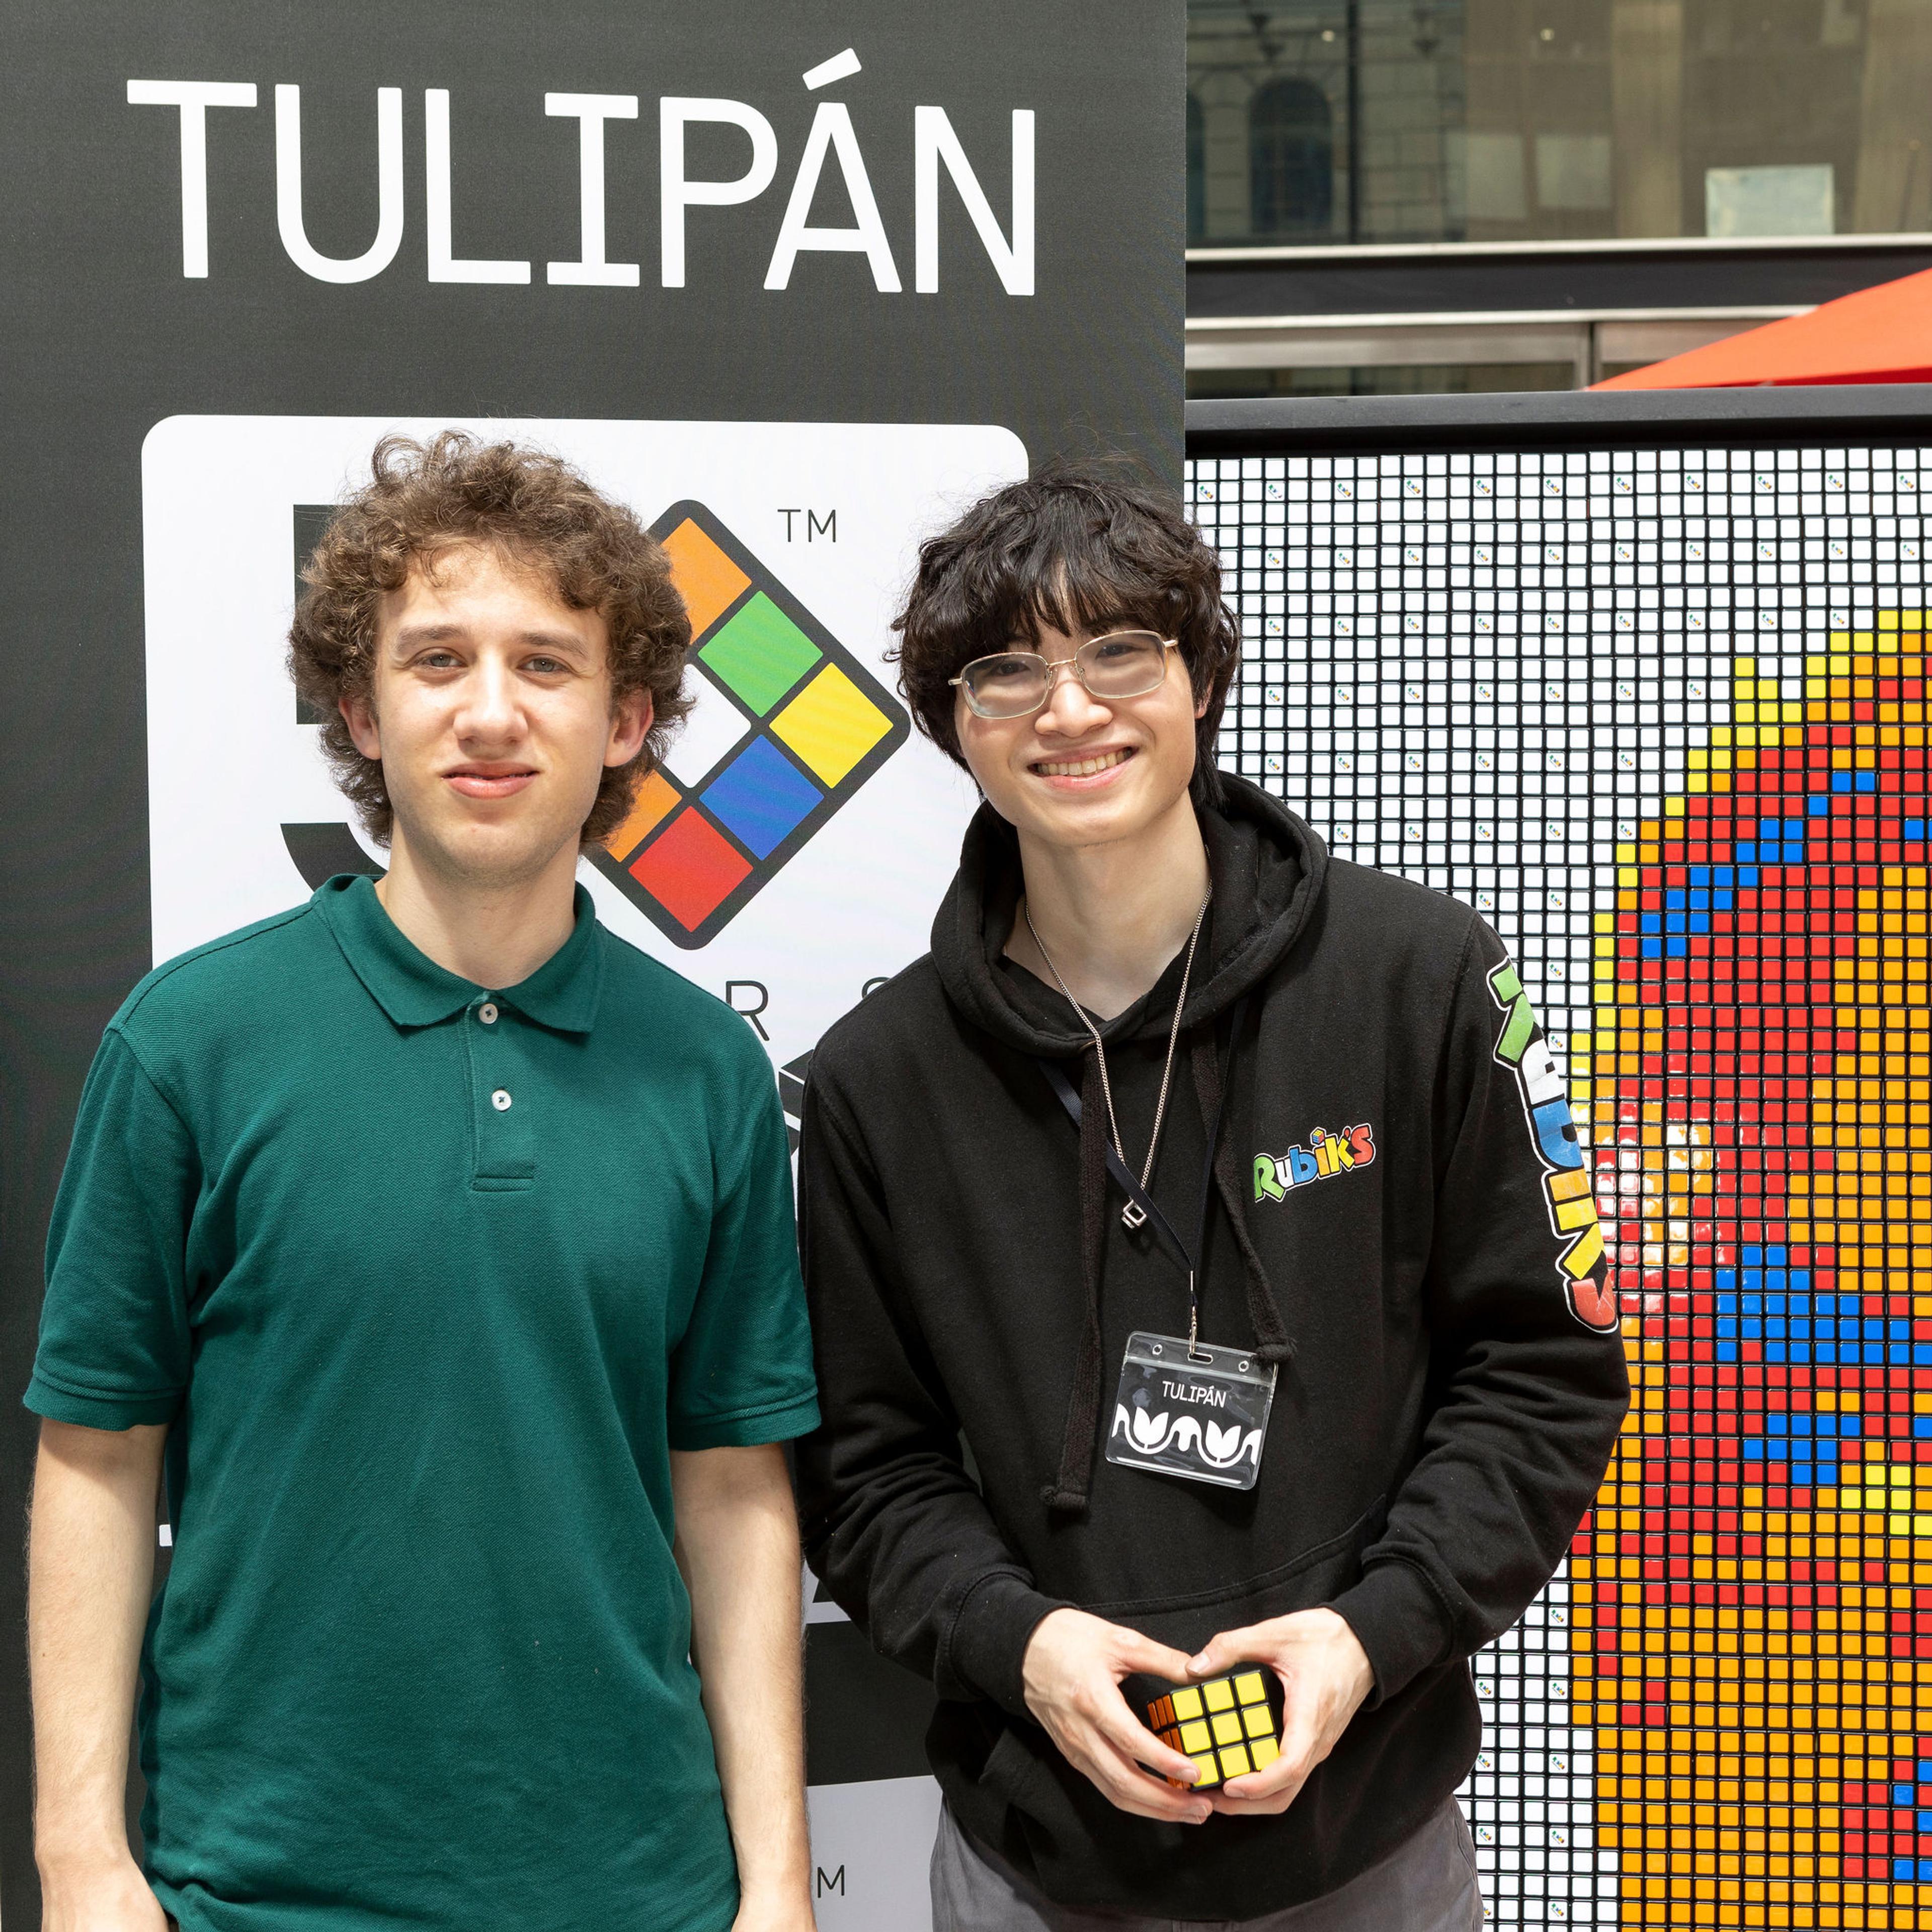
[[491, 715], [1083, 770]]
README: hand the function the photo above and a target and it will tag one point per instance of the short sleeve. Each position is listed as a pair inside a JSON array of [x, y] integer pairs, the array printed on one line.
[[115, 1344], [741, 1374]]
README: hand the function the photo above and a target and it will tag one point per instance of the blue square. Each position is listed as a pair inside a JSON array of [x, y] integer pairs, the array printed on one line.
[[760, 796]]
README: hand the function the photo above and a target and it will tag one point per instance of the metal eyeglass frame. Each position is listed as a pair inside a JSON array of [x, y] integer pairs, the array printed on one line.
[[1052, 664]]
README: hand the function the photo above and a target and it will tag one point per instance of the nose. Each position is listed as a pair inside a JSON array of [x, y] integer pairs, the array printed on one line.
[[1071, 710], [490, 714]]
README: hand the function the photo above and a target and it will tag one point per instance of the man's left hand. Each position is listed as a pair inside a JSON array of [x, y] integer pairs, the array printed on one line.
[[1324, 1676]]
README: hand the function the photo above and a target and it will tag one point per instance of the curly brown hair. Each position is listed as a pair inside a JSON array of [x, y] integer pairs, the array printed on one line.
[[1077, 546], [529, 507]]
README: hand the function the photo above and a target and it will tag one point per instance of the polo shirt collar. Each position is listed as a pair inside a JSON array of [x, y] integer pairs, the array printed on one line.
[[414, 991]]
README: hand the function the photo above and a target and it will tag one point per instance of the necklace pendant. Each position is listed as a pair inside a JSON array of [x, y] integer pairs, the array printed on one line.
[[1132, 1216]]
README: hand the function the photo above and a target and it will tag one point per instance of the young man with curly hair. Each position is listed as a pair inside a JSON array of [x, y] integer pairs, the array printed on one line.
[[439, 1246], [1205, 1289]]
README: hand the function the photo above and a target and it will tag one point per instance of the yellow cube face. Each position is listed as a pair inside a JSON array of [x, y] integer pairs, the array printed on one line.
[[1226, 1725]]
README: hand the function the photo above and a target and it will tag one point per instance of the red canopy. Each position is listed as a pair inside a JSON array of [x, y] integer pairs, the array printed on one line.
[[1876, 335]]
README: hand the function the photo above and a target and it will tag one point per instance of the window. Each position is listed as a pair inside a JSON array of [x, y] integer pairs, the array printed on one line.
[[1291, 158]]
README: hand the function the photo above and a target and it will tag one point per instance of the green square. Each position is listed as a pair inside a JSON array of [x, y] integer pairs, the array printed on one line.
[[760, 654]]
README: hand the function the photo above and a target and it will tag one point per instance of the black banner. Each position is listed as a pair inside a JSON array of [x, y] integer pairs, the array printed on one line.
[[869, 214]]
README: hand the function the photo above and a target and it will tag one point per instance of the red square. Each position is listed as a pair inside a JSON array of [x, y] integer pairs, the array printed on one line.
[[689, 868]]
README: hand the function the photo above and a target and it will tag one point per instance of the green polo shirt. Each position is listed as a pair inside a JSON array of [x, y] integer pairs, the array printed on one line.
[[428, 1280]]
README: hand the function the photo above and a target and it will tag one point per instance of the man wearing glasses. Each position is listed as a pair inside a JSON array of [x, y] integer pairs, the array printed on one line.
[[1212, 1332]]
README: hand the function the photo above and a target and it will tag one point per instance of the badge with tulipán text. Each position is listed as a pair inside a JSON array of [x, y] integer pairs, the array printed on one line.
[[1191, 1409]]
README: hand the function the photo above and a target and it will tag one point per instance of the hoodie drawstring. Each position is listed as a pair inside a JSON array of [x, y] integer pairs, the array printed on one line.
[[1273, 1342], [1069, 1493]]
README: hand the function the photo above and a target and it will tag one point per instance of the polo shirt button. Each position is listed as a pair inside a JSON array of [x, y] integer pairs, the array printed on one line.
[[487, 1013], [500, 1100]]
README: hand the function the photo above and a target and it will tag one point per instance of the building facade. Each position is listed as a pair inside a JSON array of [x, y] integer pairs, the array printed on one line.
[[1389, 196]]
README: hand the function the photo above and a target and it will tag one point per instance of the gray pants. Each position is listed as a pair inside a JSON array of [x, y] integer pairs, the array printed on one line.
[[1426, 1885]]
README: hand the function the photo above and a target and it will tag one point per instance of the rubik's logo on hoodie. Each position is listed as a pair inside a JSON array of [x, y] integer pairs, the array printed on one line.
[[1328, 1152], [1520, 1047]]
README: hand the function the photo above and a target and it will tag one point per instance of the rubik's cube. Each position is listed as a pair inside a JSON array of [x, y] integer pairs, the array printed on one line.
[[788, 724], [1227, 1725]]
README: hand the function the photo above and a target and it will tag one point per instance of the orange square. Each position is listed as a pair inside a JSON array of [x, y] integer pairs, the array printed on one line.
[[706, 579], [656, 797]]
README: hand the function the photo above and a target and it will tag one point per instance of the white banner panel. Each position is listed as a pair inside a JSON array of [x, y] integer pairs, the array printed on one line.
[[807, 532]]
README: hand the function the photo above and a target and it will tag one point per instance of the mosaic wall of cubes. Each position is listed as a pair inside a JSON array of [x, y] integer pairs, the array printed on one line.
[[1659, 714]]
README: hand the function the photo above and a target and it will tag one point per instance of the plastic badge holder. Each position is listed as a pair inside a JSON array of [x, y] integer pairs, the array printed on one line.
[[1191, 1409]]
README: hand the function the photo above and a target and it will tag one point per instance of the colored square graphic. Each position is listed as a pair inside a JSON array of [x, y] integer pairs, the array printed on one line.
[[760, 797], [1228, 1726], [760, 654], [657, 798], [707, 580], [789, 724], [691, 870], [831, 724]]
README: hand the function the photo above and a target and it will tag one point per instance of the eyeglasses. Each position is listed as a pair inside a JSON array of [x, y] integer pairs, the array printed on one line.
[[1016, 684]]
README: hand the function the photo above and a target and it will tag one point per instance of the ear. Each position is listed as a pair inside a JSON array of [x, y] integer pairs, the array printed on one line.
[[629, 724], [1201, 707], [359, 714]]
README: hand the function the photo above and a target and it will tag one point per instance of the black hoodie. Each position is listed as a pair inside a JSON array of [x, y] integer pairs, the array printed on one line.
[[1448, 1390]]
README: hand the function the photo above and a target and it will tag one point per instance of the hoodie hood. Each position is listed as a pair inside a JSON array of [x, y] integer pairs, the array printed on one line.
[[1266, 869]]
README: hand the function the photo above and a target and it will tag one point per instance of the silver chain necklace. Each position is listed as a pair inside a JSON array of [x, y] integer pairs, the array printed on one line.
[[1131, 1215]]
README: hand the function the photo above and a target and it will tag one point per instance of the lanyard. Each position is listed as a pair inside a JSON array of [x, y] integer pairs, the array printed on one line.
[[1184, 1257]]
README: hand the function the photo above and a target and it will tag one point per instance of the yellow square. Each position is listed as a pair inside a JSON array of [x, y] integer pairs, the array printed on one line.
[[1265, 1751], [1187, 1703], [1210, 1772], [1234, 1762], [1250, 1688], [1219, 1693], [831, 724], [1259, 1720], [1227, 1727], [1194, 1738]]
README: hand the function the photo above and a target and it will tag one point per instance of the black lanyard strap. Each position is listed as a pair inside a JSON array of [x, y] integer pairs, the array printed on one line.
[[1170, 1244]]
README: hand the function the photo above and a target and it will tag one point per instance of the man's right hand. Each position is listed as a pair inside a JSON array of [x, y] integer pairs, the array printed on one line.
[[1072, 1674], [113, 1898]]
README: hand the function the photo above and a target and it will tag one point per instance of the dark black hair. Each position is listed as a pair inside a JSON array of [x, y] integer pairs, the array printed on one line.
[[1083, 546]]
